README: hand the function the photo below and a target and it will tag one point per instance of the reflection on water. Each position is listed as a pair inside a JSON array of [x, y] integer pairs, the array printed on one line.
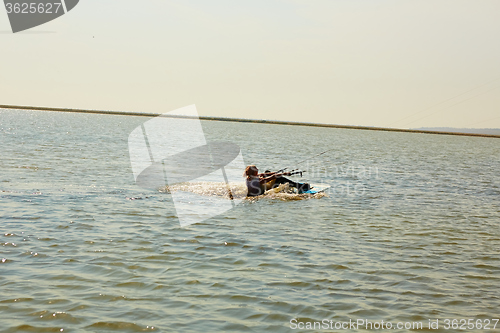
[[419, 239]]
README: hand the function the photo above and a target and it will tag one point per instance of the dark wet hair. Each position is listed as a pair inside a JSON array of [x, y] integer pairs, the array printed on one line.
[[250, 170]]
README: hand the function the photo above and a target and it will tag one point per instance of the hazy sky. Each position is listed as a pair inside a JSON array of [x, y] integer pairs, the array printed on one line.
[[355, 62]]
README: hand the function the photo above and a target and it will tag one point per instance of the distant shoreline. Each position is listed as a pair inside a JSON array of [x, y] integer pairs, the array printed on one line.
[[242, 120]]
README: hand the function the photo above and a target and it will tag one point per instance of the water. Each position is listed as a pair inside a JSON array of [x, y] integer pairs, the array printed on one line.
[[409, 231]]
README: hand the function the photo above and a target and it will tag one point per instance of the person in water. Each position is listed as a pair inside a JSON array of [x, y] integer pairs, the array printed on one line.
[[258, 183]]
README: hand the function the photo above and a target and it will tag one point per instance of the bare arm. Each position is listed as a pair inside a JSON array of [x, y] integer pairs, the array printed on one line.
[[266, 177]]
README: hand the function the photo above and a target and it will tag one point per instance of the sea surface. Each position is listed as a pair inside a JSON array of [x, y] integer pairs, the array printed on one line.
[[409, 231]]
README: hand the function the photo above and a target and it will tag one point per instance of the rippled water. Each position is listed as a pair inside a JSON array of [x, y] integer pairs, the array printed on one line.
[[409, 231]]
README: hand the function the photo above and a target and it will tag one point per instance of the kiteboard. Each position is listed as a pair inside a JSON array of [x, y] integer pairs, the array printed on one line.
[[317, 188]]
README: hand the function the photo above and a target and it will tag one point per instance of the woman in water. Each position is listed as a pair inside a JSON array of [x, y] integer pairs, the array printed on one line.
[[257, 183]]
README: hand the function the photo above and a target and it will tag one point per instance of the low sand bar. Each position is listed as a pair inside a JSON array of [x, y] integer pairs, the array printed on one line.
[[243, 120]]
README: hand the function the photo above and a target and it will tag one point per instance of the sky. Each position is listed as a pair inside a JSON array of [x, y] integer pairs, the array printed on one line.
[[387, 63]]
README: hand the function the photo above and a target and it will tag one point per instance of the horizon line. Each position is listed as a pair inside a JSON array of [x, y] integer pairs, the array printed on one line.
[[245, 120]]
